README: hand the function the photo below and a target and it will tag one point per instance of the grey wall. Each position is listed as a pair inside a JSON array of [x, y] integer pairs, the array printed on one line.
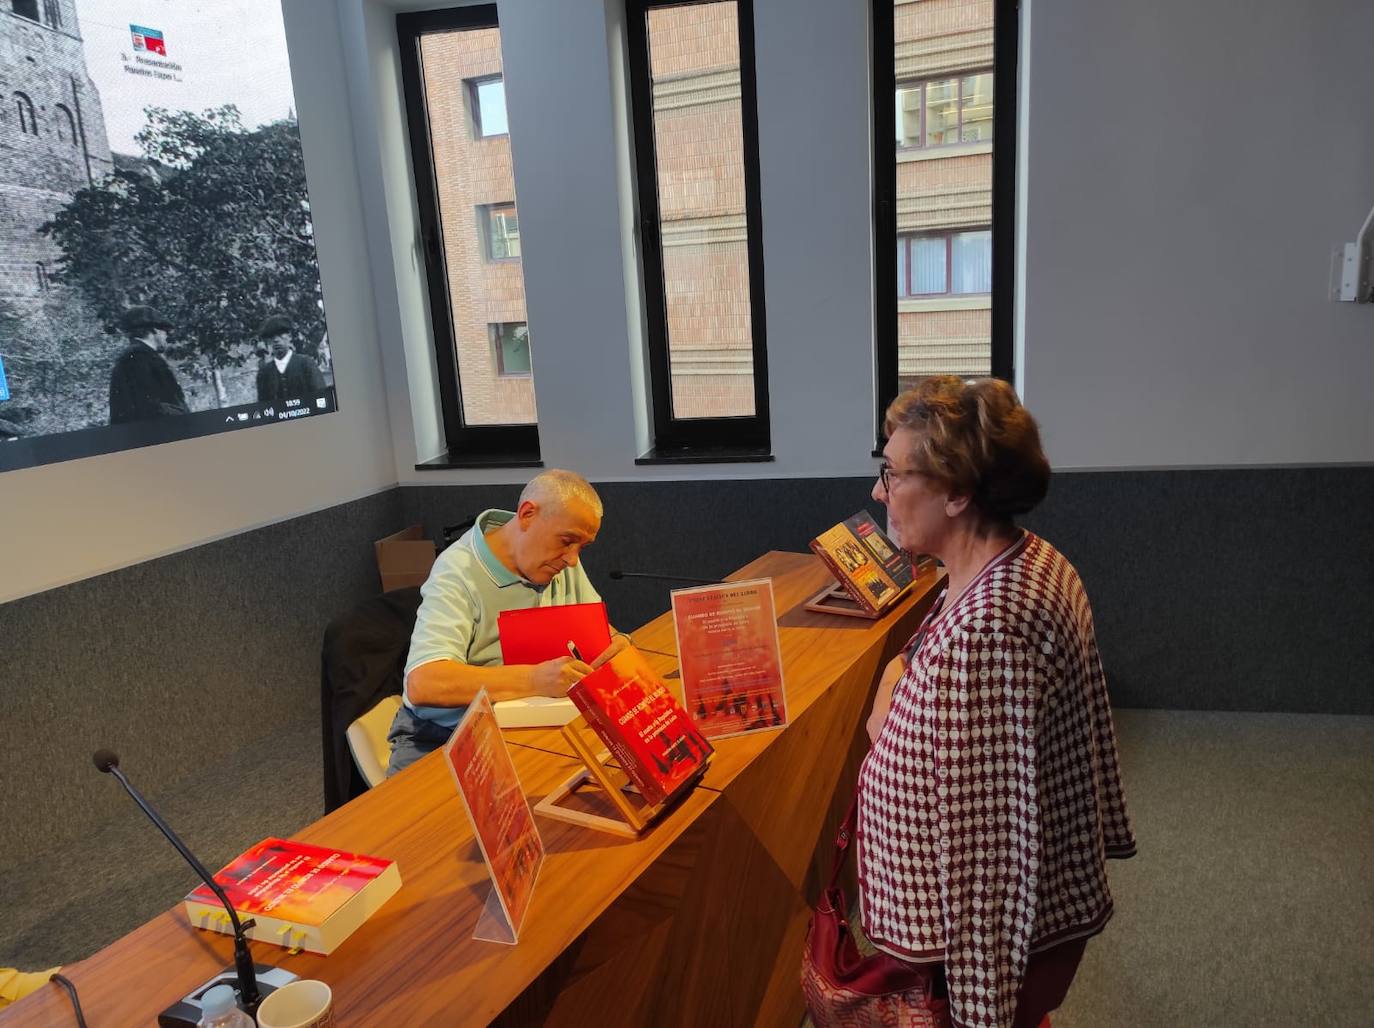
[[1213, 590], [175, 663], [1189, 168], [1178, 206], [1242, 589]]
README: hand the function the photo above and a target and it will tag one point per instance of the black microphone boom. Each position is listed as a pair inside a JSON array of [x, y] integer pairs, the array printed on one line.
[[618, 575], [249, 998]]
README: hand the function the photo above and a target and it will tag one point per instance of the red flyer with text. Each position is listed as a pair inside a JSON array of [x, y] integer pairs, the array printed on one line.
[[500, 814], [727, 649]]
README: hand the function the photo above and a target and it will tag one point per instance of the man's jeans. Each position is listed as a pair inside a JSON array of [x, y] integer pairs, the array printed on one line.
[[412, 737]]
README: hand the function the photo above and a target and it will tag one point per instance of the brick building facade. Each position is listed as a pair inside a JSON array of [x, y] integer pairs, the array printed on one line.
[[474, 174], [696, 100], [699, 137], [944, 197], [52, 140], [943, 189]]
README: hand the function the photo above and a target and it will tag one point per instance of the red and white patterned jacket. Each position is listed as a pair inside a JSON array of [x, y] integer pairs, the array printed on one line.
[[992, 797]]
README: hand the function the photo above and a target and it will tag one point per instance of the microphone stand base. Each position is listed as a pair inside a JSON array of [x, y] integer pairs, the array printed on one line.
[[186, 1012]]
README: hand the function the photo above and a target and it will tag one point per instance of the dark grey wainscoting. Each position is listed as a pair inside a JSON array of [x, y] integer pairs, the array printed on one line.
[[176, 663], [1244, 589], [1236, 589], [1227, 590]]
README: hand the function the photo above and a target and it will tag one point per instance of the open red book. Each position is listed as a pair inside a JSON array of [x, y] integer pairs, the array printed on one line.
[[649, 733], [537, 634]]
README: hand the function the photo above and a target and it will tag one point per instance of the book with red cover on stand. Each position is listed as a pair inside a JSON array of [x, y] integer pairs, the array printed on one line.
[[646, 729], [301, 896]]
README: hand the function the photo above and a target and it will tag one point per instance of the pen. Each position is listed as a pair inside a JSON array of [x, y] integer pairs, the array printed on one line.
[[572, 648]]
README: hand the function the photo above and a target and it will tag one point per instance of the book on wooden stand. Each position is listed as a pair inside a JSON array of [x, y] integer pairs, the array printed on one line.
[[632, 732], [871, 572], [299, 896]]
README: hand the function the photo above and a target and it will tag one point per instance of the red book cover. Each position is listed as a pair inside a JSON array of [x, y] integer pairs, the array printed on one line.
[[293, 881], [537, 634], [647, 730]]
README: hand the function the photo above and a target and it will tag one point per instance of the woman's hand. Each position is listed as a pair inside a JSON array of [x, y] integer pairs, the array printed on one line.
[[882, 700]]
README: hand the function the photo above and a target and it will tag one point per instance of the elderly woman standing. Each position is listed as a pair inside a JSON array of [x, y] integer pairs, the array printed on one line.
[[991, 797]]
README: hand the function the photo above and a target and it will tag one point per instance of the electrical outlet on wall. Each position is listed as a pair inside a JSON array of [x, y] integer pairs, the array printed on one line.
[[1352, 266]]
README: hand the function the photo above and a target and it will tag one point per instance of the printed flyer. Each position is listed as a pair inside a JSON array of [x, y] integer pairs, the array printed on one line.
[[500, 814], [727, 647]]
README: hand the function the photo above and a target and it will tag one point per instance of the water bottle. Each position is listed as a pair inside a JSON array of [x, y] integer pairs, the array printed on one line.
[[219, 1008]]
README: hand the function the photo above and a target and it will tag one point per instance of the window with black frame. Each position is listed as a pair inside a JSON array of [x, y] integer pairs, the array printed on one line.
[[460, 147], [696, 149], [944, 131]]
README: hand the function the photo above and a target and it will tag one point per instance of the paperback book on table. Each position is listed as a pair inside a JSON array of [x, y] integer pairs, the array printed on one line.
[[648, 732], [873, 571], [301, 896]]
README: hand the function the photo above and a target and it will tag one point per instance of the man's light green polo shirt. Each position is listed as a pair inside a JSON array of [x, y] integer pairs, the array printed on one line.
[[467, 587]]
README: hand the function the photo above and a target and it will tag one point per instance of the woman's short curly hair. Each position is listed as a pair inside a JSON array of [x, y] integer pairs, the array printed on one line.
[[976, 439]]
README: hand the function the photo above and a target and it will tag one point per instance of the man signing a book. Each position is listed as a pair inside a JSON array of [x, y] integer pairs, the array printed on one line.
[[506, 561]]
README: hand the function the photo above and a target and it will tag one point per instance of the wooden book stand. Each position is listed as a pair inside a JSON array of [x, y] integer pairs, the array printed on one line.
[[835, 599], [611, 780]]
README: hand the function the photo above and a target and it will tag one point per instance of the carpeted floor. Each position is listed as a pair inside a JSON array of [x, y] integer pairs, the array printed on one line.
[[1251, 902], [60, 907]]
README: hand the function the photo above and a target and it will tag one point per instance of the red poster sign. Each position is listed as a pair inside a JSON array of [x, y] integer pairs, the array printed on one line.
[[727, 648], [501, 818]]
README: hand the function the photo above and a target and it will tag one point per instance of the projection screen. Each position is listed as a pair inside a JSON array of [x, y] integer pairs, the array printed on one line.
[[158, 278]]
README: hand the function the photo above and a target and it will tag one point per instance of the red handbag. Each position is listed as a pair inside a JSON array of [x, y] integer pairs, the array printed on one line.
[[846, 990]]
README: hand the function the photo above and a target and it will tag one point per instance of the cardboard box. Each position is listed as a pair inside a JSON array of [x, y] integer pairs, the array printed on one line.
[[404, 559]]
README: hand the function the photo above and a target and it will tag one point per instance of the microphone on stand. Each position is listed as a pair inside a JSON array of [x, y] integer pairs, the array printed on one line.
[[618, 575], [244, 970]]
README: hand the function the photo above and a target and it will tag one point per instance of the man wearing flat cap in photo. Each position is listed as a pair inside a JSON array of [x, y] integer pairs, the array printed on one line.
[[286, 374], [142, 383]]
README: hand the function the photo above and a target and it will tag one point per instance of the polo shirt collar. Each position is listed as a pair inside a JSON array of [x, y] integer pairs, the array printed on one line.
[[500, 574]]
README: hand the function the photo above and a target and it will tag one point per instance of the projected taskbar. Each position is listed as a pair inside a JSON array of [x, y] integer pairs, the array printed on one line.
[[30, 451]]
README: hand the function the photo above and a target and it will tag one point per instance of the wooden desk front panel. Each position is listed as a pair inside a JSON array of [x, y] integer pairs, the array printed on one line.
[[711, 934]]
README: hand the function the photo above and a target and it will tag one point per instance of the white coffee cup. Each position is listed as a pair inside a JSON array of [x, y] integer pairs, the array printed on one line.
[[304, 1003]]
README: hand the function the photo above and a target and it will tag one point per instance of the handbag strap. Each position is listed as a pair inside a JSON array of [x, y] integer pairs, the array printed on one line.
[[843, 839]]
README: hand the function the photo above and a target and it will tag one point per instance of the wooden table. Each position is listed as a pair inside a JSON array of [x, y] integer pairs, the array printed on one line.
[[699, 921]]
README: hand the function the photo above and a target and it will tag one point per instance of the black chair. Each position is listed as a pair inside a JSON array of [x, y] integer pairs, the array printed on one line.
[[362, 661]]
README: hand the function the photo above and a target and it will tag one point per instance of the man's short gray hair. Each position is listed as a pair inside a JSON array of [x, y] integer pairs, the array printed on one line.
[[555, 487]]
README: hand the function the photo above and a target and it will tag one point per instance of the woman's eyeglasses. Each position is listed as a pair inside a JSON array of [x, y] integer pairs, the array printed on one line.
[[888, 473]]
